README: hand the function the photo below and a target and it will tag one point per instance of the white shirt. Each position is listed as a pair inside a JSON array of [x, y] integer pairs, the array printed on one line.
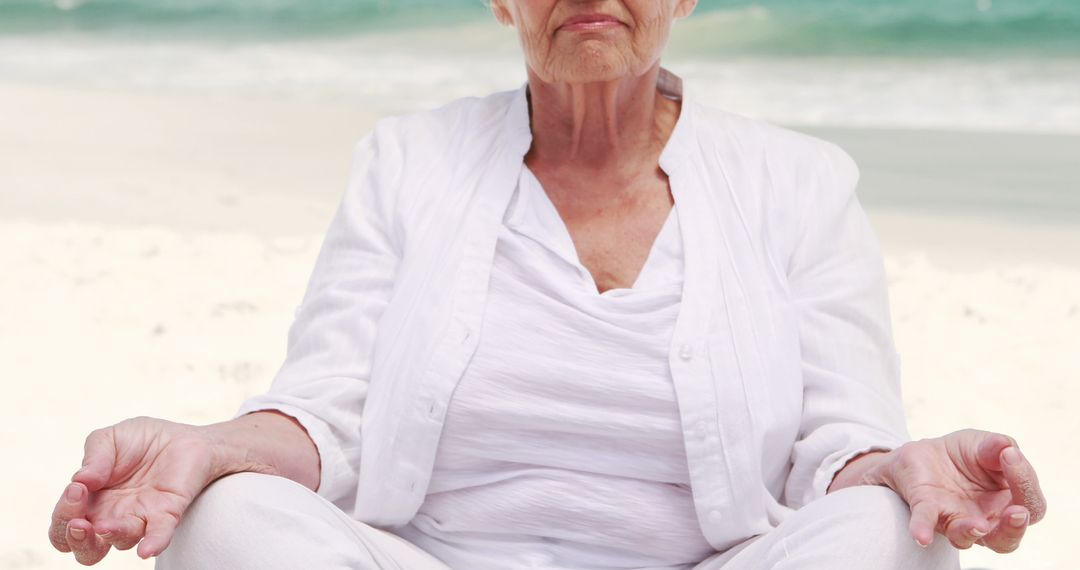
[[782, 355], [577, 456]]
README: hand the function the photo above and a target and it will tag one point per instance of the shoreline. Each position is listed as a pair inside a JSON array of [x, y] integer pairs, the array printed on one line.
[[275, 166]]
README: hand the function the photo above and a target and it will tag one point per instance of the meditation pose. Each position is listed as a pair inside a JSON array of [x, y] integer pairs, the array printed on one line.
[[590, 323]]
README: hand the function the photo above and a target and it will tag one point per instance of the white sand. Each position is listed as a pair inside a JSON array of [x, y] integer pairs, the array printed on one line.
[[156, 246]]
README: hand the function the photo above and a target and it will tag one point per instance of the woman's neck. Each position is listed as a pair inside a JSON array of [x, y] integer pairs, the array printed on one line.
[[599, 126]]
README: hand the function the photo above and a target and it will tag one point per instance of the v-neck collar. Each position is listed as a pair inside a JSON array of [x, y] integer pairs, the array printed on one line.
[[535, 214], [532, 213]]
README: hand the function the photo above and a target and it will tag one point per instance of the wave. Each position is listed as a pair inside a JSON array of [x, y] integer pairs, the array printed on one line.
[[885, 27], [765, 27], [383, 77], [226, 18]]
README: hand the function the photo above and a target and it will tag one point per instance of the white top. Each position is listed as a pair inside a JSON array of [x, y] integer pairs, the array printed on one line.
[[562, 445], [781, 357]]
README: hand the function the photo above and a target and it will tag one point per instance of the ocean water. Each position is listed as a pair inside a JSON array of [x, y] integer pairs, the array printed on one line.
[[768, 27], [957, 64]]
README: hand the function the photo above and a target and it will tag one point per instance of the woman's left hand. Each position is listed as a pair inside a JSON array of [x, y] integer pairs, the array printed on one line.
[[972, 486]]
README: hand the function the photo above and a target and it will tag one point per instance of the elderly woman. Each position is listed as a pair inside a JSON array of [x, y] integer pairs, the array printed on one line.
[[587, 323]]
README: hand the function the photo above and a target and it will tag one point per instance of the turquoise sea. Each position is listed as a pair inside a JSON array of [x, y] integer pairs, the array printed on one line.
[[776, 27], [1010, 65]]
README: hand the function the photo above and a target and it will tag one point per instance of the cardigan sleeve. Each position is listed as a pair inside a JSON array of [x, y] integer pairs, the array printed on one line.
[[323, 382], [851, 370]]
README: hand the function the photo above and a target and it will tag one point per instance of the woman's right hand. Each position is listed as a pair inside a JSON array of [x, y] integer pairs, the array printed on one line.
[[137, 479]]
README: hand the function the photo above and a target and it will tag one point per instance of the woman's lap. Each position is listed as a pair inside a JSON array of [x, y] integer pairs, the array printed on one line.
[[854, 528], [250, 520]]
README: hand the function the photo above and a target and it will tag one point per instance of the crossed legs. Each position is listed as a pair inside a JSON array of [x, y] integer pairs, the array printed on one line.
[[250, 520]]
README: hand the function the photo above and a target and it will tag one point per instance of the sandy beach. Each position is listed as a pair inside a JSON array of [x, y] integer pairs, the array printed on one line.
[[157, 244]]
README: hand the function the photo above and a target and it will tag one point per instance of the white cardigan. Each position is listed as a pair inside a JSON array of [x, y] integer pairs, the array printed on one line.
[[782, 356]]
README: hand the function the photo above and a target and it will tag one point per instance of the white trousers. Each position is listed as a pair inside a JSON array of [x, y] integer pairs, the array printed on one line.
[[254, 521]]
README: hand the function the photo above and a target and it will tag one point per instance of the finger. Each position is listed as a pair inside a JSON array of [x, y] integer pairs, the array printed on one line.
[[1010, 530], [988, 453], [159, 532], [924, 517], [72, 505], [88, 548], [964, 531], [99, 456], [1023, 483], [122, 534]]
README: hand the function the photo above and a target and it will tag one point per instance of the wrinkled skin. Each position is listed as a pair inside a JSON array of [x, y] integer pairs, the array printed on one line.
[[138, 478], [558, 56], [973, 487]]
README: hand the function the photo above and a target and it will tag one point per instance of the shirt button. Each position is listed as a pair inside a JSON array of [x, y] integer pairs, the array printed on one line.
[[686, 352], [715, 517], [433, 409], [465, 336]]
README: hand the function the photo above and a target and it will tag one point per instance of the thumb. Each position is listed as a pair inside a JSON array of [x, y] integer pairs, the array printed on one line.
[[99, 457], [1024, 483]]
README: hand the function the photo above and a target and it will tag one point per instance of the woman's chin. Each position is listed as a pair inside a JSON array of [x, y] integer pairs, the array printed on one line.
[[590, 67]]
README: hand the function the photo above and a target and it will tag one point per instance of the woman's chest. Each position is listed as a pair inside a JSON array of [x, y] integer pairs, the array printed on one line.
[[613, 222]]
